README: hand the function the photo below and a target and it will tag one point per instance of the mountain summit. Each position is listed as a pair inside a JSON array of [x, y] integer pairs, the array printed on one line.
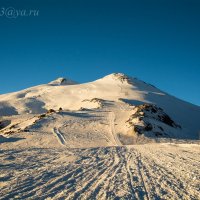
[[62, 81]]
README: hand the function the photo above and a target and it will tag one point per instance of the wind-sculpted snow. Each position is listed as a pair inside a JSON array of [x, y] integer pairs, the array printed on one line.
[[62, 81], [162, 171]]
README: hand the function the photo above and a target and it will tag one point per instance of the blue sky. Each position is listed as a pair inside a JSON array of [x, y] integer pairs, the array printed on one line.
[[157, 41]]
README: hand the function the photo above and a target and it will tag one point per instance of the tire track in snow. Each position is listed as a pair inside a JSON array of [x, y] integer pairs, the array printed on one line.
[[130, 175], [139, 165], [99, 187], [132, 172], [95, 178], [161, 171]]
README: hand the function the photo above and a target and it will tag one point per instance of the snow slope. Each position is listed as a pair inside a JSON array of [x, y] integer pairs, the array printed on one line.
[[150, 171], [84, 150], [114, 88]]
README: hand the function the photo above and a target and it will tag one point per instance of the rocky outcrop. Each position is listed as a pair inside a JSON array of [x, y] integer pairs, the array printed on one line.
[[151, 120], [123, 78]]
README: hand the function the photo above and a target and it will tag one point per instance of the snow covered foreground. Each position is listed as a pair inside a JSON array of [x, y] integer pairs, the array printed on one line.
[[114, 138], [149, 171]]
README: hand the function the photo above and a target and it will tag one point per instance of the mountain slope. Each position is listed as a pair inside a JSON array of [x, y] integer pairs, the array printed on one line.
[[114, 138], [116, 88]]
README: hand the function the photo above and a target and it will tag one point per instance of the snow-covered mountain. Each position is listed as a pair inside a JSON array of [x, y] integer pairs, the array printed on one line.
[[123, 92], [113, 138]]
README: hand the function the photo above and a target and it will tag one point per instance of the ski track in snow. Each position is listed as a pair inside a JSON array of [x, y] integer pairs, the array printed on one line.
[[100, 173], [112, 128], [59, 136]]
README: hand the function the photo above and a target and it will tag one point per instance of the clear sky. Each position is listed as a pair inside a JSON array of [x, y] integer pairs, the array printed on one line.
[[157, 41]]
